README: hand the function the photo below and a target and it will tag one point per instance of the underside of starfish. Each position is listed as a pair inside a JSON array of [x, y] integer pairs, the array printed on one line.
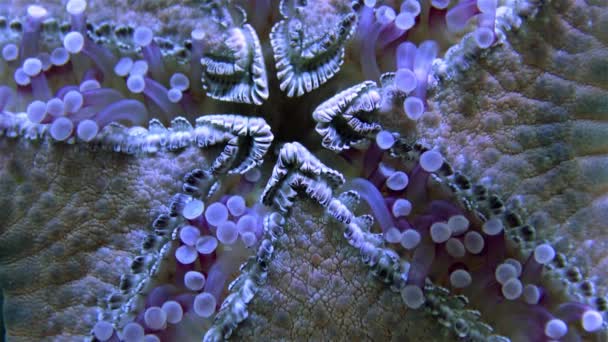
[[303, 170]]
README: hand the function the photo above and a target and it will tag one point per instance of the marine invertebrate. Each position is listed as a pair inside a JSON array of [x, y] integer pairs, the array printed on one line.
[[430, 211]]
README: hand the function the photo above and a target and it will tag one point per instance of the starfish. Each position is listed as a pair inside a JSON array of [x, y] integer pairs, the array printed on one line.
[[92, 223]]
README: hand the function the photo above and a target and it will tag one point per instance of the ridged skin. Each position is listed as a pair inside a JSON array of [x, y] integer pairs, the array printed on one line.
[[319, 290], [529, 119], [72, 220]]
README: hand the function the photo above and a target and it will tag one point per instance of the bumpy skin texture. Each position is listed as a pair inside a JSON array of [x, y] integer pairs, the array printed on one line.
[[528, 119], [72, 219], [319, 290], [519, 111]]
